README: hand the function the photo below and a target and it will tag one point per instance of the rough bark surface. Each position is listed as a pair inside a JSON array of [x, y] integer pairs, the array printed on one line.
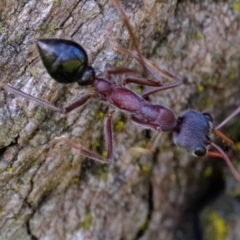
[[55, 193]]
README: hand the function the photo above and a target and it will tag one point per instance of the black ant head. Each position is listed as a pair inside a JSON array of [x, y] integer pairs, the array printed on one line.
[[88, 77], [192, 132], [66, 61]]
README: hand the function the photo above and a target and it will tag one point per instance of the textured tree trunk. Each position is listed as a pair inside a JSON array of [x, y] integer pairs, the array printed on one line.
[[51, 191]]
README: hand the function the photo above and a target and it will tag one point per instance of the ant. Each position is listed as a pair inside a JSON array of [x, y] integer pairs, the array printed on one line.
[[67, 62]]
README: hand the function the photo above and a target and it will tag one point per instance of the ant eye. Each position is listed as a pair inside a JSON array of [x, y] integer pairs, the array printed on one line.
[[208, 117], [200, 151]]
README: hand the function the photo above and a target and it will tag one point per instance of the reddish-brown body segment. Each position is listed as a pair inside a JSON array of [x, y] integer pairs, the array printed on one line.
[[141, 111]]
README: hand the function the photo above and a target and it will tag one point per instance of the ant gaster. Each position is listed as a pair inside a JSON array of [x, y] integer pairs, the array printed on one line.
[[67, 62]]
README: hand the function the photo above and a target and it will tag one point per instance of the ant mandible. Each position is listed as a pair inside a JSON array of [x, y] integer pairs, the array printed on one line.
[[67, 62]]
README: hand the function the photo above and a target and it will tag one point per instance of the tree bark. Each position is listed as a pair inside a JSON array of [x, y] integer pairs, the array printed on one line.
[[51, 191]]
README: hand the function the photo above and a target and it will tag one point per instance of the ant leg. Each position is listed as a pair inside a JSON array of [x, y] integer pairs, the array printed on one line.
[[137, 80], [141, 81], [88, 153], [120, 70], [143, 124], [151, 146], [109, 135], [134, 55], [151, 67], [222, 154], [144, 81], [155, 138], [150, 91], [79, 102], [154, 69], [174, 80], [129, 28]]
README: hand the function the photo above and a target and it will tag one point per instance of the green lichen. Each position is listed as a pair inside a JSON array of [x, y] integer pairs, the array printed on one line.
[[120, 64], [76, 180], [110, 63], [199, 35], [234, 192], [145, 169], [103, 175], [52, 28], [7, 135], [42, 29], [119, 126], [29, 179], [104, 153], [3, 30], [183, 180], [34, 73], [207, 79], [139, 90], [210, 81], [145, 225], [201, 88], [88, 220], [208, 172], [143, 143], [17, 186], [236, 5], [10, 170], [219, 226], [208, 101], [237, 146], [52, 136], [101, 115], [159, 29], [46, 29], [18, 126], [96, 145]]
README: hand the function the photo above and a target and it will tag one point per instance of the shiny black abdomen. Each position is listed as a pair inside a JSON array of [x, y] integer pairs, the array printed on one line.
[[65, 60]]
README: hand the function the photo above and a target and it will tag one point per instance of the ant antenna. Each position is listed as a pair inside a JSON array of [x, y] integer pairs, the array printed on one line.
[[232, 115]]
